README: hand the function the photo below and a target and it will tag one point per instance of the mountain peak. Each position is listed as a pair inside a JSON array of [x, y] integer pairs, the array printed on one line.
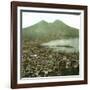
[[46, 31], [58, 21], [42, 21]]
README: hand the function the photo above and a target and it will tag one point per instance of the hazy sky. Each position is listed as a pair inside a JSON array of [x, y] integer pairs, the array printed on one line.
[[29, 19]]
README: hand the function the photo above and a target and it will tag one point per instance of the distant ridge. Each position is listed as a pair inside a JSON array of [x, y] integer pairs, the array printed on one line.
[[45, 31]]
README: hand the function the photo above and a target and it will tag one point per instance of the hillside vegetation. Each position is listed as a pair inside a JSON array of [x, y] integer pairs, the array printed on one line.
[[44, 31]]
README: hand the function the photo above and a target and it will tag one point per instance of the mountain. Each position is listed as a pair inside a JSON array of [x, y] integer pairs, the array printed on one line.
[[44, 31]]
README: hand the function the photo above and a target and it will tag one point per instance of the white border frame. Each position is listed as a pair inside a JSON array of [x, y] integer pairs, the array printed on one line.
[[57, 78]]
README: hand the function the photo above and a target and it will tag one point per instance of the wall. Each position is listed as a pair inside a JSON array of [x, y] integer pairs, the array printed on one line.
[[5, 44]]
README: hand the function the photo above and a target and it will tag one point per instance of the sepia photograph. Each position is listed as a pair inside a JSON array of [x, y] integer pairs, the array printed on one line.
[[50, 44]]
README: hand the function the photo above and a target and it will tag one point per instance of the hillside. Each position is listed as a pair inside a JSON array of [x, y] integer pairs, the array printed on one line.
[[44, 31]]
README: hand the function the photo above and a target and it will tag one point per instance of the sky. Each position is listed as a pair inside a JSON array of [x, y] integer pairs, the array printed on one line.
[[29, 19]]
